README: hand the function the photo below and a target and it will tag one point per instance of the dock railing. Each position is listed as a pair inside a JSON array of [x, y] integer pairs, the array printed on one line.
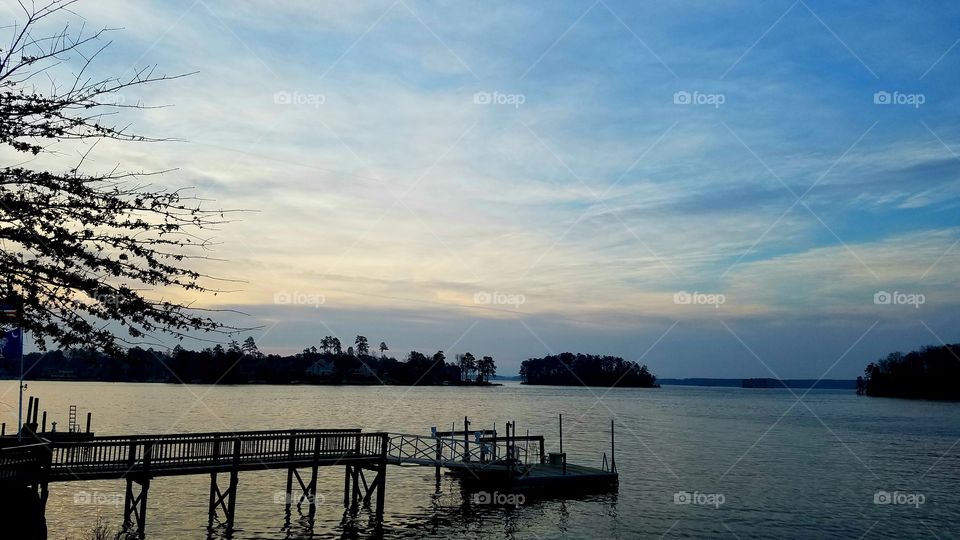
[[184, 453], [446, 451], [24, 464]]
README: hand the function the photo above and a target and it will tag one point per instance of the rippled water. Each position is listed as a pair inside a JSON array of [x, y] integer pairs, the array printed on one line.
[[780, 468]]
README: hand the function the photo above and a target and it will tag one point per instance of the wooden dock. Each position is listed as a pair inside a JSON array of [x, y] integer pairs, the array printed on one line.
[[140, 459], [486, 459]]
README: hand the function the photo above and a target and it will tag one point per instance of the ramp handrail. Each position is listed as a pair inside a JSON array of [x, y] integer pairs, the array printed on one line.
[[424, 449]]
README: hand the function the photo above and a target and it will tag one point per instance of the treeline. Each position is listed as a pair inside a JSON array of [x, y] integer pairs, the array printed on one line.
[[241, 363], [930, 373], [570, 369]]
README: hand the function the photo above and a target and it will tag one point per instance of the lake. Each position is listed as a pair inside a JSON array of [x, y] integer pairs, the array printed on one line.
[[750, 463]]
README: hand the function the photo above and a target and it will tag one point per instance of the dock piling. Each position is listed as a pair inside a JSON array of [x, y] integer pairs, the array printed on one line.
[[613, 449]]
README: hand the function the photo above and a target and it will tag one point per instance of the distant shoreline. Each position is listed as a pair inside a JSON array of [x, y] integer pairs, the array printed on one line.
[[749, 383], [258, 382], [834, 384]]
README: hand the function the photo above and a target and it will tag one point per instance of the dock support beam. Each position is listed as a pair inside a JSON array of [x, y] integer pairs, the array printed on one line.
[[135, 504], [135, 507], [379, 481], [225, 500], [308, 490]]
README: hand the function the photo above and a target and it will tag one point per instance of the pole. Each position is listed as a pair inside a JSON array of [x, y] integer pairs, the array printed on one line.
[[561, 433], [20, 406], [613, 449]]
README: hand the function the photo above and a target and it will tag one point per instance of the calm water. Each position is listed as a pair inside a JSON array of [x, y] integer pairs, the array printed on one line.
[[780, 469]]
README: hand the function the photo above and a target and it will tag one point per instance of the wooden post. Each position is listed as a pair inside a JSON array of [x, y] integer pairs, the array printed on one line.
[[145, 486], [211, 507], [214, 489], [289, 493], [234, 472], [561, 433], [466, 439], [613, 449], [312, 486], [29, 412], [509, 451], [43, 425], [356, 478], [542, 456], [439, 458], [563, 457], [346, 486], [89, 415], [382, 476]]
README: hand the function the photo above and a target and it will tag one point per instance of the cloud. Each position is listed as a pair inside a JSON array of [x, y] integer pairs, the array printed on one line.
[[374, 178]]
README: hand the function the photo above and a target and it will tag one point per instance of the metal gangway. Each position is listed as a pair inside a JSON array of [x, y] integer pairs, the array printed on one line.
[[480, 450]]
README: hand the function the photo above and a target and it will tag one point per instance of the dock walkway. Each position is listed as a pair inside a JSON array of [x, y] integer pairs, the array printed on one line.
[[138, 459]]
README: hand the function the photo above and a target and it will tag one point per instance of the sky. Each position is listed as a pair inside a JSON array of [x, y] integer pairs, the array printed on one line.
[[713, 189]]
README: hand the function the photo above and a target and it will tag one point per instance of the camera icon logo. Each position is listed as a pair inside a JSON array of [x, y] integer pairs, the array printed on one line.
[[282, 98], [682, 98], [682, 497], [282, 297], [481, 497], [882, 98], [882, 298], [482, 98], [682, 298], [882, 497], [483, 298]]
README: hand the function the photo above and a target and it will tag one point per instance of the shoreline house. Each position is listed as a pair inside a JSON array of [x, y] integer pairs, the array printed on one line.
[[363, 371], [321, 368]]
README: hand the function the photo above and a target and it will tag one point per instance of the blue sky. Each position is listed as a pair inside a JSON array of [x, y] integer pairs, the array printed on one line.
[[522, 178]]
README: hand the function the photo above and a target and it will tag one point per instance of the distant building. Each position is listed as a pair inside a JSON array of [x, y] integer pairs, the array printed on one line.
[[364, 371], [321, 368]]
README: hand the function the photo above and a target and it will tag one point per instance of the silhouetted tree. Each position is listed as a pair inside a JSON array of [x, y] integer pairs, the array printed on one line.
[[467, 364], [250, 348], [585, 369], [486, 368], [383, 348], [930, 373], [78, 246], [363, 347]]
